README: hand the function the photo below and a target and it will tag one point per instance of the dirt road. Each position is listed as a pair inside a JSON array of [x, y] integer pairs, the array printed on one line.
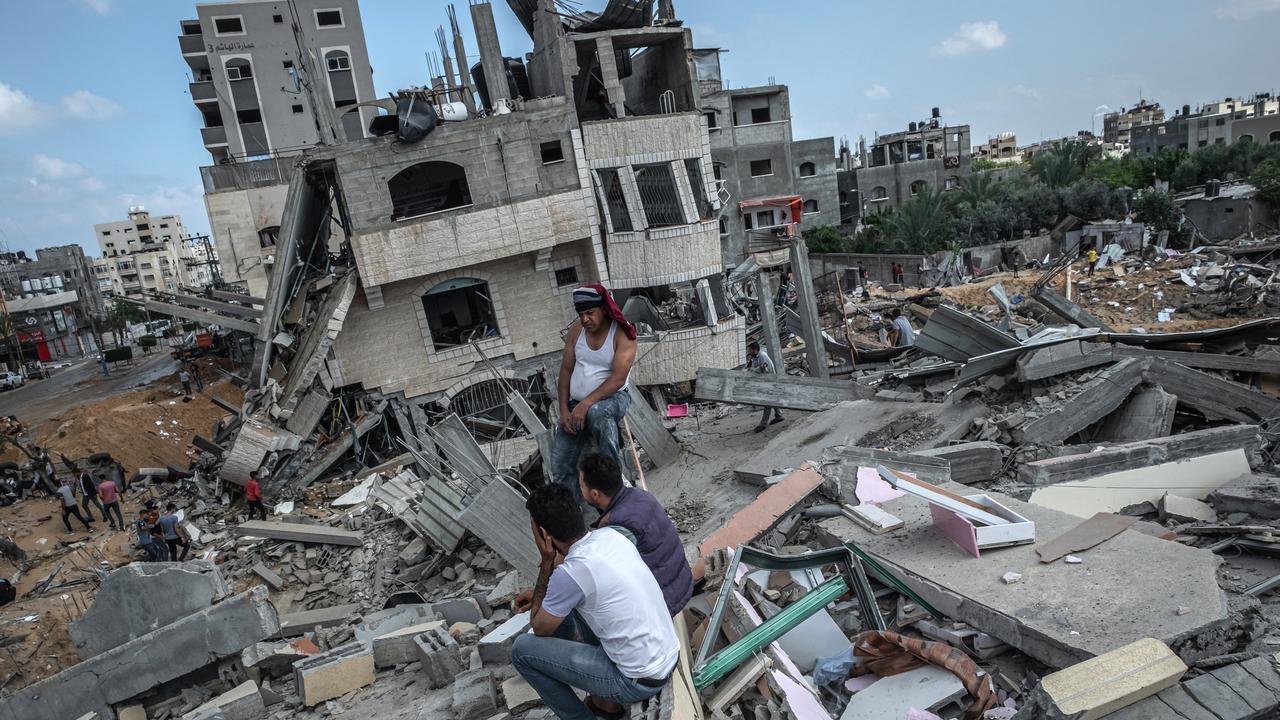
[[40, 400]]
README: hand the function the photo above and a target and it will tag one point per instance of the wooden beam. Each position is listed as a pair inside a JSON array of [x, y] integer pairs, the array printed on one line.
[[780, 391]]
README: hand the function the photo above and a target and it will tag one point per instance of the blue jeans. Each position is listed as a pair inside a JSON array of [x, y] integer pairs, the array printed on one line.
[[555, 665], [601, 426]]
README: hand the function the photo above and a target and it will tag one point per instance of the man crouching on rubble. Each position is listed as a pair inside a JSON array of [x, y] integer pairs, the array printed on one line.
[[599, 620], [593, 392]]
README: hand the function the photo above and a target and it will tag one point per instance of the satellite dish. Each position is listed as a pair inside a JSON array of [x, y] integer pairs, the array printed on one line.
[[416, 119]]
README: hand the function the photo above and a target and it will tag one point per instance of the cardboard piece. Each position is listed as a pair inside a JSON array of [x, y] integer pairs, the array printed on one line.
[[1097, 529]]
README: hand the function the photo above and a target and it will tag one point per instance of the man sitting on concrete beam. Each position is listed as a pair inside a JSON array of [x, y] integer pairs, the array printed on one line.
[[599, 620], [593, 392], [640, 514]]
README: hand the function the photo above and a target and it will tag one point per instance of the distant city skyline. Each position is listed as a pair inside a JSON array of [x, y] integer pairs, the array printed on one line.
[[95, 117]]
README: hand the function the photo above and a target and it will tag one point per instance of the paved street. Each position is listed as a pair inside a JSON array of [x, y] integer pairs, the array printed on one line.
[[39, 400]]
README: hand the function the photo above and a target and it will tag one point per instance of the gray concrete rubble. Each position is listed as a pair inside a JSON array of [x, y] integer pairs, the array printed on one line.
[[142, 597], [971, 462], [1249, 689], [298, 531], [334, 673]]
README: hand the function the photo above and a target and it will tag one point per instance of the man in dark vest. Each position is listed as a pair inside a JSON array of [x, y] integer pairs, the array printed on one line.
[[641, 515]]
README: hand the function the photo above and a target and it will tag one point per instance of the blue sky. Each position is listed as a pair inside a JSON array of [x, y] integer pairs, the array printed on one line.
[[95, 116]]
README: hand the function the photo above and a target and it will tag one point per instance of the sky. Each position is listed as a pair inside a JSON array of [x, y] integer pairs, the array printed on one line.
[[95, 114]]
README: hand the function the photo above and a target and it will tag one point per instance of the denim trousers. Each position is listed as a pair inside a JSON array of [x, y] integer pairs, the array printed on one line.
[[113, 507], [555, 665], [601, 427]]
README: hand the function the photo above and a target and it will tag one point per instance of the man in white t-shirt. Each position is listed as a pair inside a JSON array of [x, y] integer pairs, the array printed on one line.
[[901, 334], [599, 621]]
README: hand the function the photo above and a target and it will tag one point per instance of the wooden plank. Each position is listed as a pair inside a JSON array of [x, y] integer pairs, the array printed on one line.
[[1095, 530], [872, 518], [649, 431], [780, 391], [202, 316], [941, 496]]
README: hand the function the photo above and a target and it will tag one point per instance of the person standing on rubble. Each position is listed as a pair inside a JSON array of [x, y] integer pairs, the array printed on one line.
[[1091, 256], [640, 514], [599, 620], [89, 496], [901, 334], [759, 361], [109, 494], [185, 378], [594, 385], [253, 497], [194, 369], [174, 535], [67, 498], [148, 544]]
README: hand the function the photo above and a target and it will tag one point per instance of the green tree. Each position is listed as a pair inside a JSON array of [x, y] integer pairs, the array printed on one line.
[[985, 223], [1159, 212], [1057, 167], [1266, 177], [1089, 199], [922, 225], [973, 190], [1186, 174], [824, 239]]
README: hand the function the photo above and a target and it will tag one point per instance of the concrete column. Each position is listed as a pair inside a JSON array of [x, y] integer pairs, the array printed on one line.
[[807, 307], [609, 73], [495, 70], [688, 206], [464, 75], [631, 192], [768, 318]]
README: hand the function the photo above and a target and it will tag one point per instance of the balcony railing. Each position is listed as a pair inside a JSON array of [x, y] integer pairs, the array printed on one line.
[[214, 136], [248, 174], [203, 91], [191, 44]]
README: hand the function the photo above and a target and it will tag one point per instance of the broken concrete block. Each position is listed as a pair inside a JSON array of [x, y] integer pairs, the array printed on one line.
[[1146, 415], [464, 632], [413, 553], [334, 673], [275, 581], [1097, 399], [292, 624], [1183, 509], [518, 695], [475, 695], [271, 659], [242, 702], [440, 655], [926, 688], [1087, 461], [172, 651], [976, 461], [398, 647], [142, 597], [395, 618], [1113, 680], [495, 647], [298, 532], [458, 610], [505, 591], [1258, 495]]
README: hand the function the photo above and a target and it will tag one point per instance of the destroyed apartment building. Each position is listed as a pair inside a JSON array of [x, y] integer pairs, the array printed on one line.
[[1060, 501]]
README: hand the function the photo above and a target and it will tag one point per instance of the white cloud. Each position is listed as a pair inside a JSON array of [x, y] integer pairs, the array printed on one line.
[[972, 37], [876, 92], [52, 168], [102, 7], [84, 105], [1246, 9], [18, 110]]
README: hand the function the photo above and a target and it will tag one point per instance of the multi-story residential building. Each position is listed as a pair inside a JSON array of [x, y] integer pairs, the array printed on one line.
[[1082, 137], [1001, 148], [149, 253], [249, 83], [898, 166], [755, 159], [1211, 124], [248, 80], [52, 301], [1116, 126]]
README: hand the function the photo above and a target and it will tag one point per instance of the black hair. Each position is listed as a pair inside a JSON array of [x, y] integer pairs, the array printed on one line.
[[753, 345], [895, 313], [601, 472], [170, 506], [554, 509]]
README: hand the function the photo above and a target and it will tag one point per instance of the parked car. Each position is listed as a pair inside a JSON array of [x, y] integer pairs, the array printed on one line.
[[36, 370], [10, 380]]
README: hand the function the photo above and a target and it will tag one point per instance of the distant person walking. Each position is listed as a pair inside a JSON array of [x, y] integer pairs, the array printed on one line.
[[185, 378], [174, 536], [195, 377], [89, 496], [67, 496], [253, 496], [109, 495], [759, 361], [1091, 255]]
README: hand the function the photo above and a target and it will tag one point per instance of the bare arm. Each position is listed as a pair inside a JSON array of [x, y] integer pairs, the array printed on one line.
[[567, 361], [543, 623], [624, 356]]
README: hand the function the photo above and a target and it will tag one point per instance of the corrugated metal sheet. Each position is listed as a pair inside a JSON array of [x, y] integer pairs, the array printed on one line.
[[959, 337], [497, 516]]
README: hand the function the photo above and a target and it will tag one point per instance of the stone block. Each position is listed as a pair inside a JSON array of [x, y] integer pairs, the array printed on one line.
[[270, 577], [1258, 495], [1113, 680], [398, 647], [271, 659], [1184, 509], [413, 553], [142, 597], [458, 610], [1218, 697], [293, 624], [243, 702], [495, 647], [395, 618], [334, 673], [519, 695], [440, 656], [475, 695], [505, 591]]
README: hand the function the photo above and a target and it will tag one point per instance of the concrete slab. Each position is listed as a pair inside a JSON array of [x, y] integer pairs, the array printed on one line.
[[1258, 495], [142, 597], [293, 624], [924, 688], [395, 618], [1184, 509], [334, 673], [171, 651], [1193, 478], [243, 702], [1095, 400], [397, 647], [519, 695], [1116, 679], [495, 647], [475, 695], [298, 532], [1057, 613], [1146, 415], [971, 462], [1087, 461], [787, 392]]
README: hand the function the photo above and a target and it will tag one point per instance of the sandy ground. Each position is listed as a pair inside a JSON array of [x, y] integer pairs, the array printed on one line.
[[151, 427]]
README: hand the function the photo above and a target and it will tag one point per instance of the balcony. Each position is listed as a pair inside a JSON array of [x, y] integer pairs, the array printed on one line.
[[214, 136], [248, 174], [191, 44], [203, 91]]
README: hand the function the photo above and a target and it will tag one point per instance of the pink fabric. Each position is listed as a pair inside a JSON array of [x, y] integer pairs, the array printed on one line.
[[611, 309], [107, 491]]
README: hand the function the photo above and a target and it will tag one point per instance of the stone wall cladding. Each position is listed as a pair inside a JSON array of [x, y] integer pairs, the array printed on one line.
[[645, 139], [665, 256], [679, 354]]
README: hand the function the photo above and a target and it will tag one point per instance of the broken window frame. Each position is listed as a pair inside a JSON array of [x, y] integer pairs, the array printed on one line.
[[659, 195], [615, 200], [693, 167], [408, 205], [441, 335]]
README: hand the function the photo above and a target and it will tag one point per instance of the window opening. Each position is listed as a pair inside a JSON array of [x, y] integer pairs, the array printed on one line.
[[615, 200], [551, 151], [426, 188], [458, 311], [658, 195]]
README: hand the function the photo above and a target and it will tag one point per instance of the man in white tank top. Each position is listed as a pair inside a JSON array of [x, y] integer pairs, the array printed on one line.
[[598, 617], [593, 390]]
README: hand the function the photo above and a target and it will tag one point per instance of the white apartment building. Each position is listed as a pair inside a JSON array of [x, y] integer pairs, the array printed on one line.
[[148, 253]]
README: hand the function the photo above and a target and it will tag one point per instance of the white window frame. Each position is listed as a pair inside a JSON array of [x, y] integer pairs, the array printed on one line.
[[214, 21], [341, 15], [329, 68]]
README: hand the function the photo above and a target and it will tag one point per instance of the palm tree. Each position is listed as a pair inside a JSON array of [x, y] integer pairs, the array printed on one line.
[[922, 225], [1058, 167], [973, 189]]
